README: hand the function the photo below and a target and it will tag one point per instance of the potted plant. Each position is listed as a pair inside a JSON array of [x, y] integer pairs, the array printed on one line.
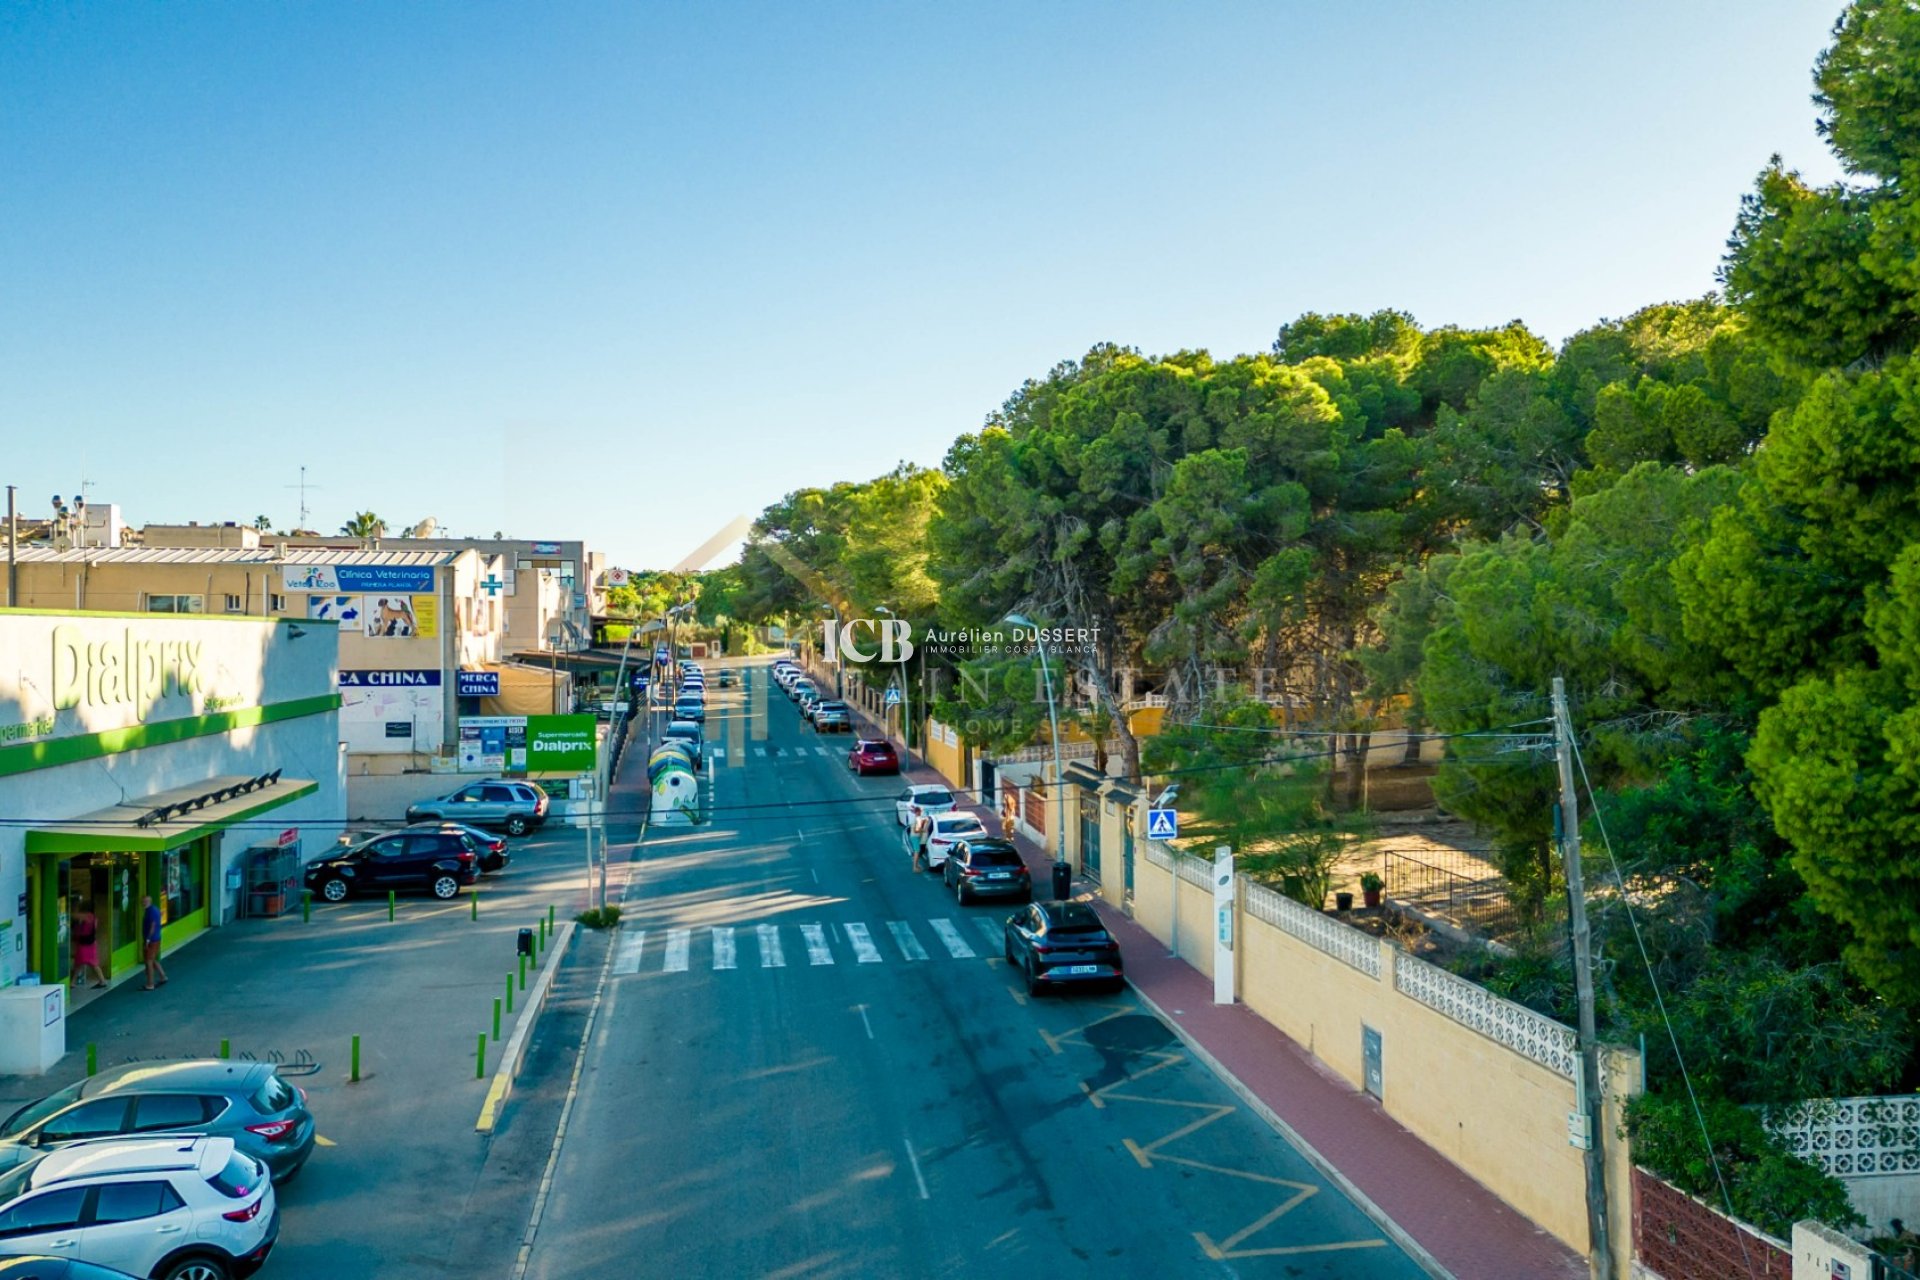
[[1371, 886]]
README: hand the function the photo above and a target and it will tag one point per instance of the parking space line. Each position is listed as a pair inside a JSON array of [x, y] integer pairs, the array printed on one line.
[[950, 937], [862, 942], [723, 946], [771, 954], [627, 960], [816, 938], [678, 941], [904, 939]]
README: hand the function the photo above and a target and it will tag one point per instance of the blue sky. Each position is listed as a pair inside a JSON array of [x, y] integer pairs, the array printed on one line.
[[624, 271]]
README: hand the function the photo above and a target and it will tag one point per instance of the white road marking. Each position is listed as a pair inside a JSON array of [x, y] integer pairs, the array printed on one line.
[[914, 1160], [677, 943], [817, 949], [723, 947], [761, 752], [627, 959], [771, 955], [904, 939], [716, 758], [862, 942], [863, 1020], [950, 936], [822, 751], [994, 928], [779, 751]]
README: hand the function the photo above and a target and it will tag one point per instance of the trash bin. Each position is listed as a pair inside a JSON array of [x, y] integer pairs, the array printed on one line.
[[525, 945], [1062, 882]]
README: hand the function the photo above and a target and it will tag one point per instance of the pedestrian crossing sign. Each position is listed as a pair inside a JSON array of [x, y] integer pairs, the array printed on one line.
[[893, 696], [1163, 824]]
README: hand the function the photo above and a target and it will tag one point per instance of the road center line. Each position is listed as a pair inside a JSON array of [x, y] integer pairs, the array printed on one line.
[[914, 1160]]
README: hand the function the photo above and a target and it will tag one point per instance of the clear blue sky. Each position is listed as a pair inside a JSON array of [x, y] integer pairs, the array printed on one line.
[[476, 261]]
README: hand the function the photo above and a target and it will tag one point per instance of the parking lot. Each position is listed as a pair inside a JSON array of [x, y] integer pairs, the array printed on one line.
[[388, 1188]]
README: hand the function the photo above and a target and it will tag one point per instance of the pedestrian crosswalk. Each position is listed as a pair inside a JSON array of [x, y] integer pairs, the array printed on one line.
[[763, 946], [718, 756]]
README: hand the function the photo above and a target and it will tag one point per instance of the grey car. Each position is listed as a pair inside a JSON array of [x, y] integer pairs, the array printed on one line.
[[249, 1102], [518, 807], [831, 717]]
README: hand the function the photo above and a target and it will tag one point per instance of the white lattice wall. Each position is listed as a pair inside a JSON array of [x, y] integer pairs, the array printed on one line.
[[1315, 928], [1855, 1137], [1519, 1028]]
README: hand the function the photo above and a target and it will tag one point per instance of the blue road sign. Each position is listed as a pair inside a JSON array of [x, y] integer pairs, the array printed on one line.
[[1163, 824], [893, 697]]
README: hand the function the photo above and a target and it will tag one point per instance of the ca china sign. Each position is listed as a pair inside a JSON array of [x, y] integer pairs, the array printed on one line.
[[562, 744]]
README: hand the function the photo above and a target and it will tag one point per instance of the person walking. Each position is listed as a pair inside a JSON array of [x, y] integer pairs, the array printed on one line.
[[1006, 821], [922, 825], [150, 942], [86, 946]]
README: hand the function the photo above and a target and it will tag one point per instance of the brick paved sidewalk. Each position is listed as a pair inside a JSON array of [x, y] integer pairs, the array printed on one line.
[[1446, 1219]]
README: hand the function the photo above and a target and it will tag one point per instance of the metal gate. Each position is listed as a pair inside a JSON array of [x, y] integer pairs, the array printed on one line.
[[1370, 1057], [1090, 837]]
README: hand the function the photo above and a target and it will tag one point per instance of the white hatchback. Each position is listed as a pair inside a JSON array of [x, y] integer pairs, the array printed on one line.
[[171, 1208], [921, 798], [948, 830]]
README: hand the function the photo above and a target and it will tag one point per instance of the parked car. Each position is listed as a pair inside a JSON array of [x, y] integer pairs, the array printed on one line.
[[518, 807], [494, 855], [806, 700], [1062, 944], [922, 797], [987, 868], [248, 1102], [832, 717], [688, 732], [801, 689], [170, 1208], [726, 678], [690, 708], [948, 830], [873, 755], [430, 858]]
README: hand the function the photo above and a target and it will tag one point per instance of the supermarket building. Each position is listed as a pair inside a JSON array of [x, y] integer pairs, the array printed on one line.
[[158, 755]]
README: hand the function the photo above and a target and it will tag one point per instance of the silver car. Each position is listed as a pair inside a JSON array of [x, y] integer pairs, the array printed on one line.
[[519, 807], [266, 1117]]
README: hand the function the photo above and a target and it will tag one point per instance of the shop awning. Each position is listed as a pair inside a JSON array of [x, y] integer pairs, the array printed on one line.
[[167, 819]]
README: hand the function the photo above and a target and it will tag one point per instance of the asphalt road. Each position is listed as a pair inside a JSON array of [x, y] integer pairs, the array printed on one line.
[[807, 1061]]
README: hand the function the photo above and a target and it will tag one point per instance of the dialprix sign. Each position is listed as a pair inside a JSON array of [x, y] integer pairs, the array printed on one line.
[[561, 744]]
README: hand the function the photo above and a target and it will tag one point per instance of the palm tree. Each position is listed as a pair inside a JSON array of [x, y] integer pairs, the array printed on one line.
[[364, 525], [263, 523]]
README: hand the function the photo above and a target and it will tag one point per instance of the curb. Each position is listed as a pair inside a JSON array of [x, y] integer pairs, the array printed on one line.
[[1391, 1229], [515, 1055]]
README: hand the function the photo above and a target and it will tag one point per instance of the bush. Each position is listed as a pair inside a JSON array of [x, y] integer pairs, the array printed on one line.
[[599, 917]]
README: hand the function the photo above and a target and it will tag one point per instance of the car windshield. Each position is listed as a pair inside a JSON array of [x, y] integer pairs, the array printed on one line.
[[995, 858], [15, 1181], [955, 826], [934, 797], [34, 1112]]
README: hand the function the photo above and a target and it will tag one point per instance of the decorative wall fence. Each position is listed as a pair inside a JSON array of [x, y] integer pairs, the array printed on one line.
[[1677, 1237], [1870, 1144]]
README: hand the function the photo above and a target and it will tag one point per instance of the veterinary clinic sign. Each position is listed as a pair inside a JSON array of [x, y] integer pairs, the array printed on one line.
[[335, 579]]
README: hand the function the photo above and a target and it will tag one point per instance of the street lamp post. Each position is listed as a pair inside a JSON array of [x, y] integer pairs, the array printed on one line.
[[906, 705], [1053, 721]]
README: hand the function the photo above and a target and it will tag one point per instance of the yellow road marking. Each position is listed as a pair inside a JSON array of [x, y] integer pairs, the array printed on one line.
[[321, 1140], [1218, 1254]]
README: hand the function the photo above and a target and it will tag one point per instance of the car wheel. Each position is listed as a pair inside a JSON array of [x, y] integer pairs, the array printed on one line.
[[201, 1266], [444, 887], [960, 894], [516, 825], [1006, 946], [334, 890], [1033, 981]]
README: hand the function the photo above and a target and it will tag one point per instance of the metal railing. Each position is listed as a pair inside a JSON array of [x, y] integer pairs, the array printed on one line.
[[1479, 904]]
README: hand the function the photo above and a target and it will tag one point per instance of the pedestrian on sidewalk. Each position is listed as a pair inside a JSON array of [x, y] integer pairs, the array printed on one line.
[[1006, 822], [150, 942], [86, 946]]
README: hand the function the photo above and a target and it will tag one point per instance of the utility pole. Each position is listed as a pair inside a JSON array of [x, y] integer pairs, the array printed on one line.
[[1600, 1242], [13, 544]]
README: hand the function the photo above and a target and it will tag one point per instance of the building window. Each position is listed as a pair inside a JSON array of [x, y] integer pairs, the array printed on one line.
[[276, 604], [176, 604], [234, 605], [185, 888]]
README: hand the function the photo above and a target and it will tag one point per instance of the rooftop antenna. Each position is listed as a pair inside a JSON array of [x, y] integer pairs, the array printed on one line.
[[303, 486]]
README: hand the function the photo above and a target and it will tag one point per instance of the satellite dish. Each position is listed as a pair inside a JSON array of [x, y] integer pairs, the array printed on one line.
[[424, 529]]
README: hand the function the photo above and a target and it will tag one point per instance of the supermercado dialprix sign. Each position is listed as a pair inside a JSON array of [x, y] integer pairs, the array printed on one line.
[[562, 744]]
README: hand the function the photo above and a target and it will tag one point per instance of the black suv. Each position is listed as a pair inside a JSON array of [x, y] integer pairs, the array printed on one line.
[[989, 868], [439, 861], [1062, 944]]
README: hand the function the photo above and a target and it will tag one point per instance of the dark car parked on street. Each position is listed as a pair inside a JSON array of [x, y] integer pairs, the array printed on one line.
[[987, 868], [493, 851], [518, 807], [434, 859], [1057, 944], [249, 1102]]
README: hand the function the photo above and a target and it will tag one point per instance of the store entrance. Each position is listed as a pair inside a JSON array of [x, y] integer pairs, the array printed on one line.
[[108, 885]]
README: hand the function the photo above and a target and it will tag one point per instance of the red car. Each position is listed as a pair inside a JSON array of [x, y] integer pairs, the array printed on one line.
[[873, 756]]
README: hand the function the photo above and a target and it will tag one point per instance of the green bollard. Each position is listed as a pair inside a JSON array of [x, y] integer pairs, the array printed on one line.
[[542, 948], [549, 917], [496, 1020], [389, 906], [523, 973], [480, 1058], [306, 906], [93, 1057], [473, 904], [509, 993], [226, 1048], [354, 1076]]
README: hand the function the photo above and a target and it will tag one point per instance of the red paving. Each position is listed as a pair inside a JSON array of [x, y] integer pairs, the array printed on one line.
[[1465, 1229]]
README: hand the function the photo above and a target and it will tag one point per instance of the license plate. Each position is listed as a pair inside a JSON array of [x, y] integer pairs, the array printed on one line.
[[998, 875], [1081, 968]]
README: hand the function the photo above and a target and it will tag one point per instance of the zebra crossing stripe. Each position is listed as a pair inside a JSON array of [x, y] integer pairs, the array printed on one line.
[[821, 751], [950, 937], [817, 949], [771, 955], [862, 942], [779, 751], [627, 959], [678, 941], [904, 939], [723, 946], [761, 752], [994, 929]]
